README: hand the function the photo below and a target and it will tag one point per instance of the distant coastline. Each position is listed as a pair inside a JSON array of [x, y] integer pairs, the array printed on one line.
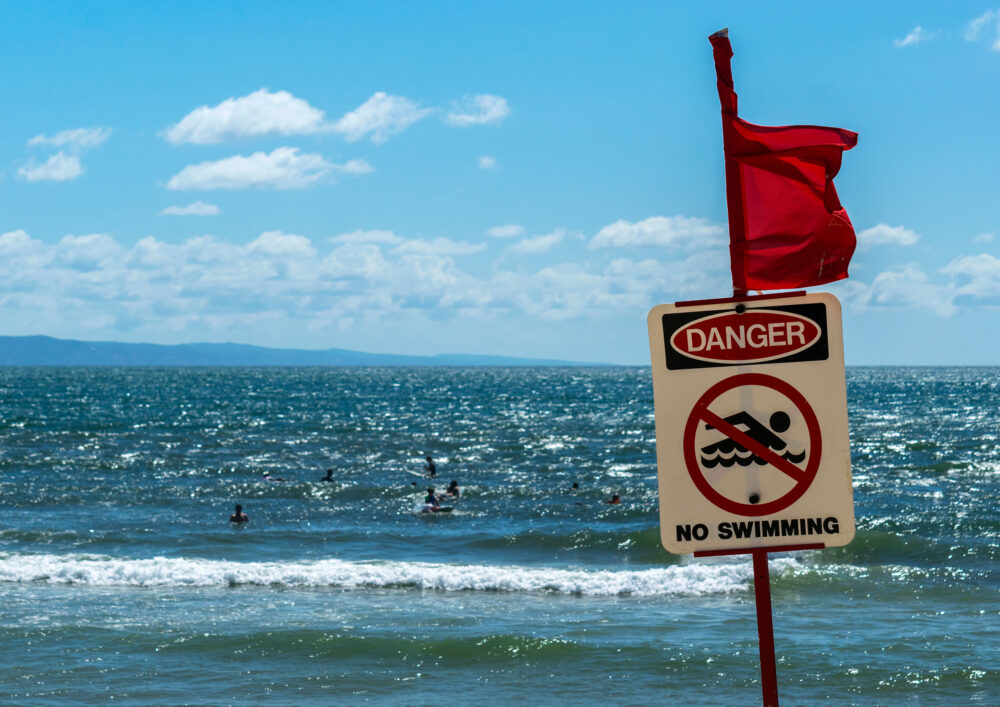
[[49, 351]]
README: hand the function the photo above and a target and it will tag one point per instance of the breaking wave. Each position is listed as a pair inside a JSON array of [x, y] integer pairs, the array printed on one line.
[[93, 570]]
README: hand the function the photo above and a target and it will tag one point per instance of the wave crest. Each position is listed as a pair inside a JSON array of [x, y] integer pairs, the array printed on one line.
[[92, 570]]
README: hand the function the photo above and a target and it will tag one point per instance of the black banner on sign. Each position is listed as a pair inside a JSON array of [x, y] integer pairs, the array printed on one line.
[[758, 335]]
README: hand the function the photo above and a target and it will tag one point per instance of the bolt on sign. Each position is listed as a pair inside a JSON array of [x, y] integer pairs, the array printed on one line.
[[751, 423]]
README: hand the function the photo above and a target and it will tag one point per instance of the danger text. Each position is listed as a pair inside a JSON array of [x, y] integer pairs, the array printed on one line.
[[754, 336]]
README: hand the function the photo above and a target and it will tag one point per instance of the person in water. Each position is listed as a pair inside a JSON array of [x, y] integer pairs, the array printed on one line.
[[329, 475], [268, 477], [615, 500], [431, 500], [453, 489], [431, 468], [239, 516]]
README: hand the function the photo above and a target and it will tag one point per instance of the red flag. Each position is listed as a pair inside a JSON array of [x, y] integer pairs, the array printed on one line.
[[787, 228]]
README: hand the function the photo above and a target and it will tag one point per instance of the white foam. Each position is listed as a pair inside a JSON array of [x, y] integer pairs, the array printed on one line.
[[698, 578]]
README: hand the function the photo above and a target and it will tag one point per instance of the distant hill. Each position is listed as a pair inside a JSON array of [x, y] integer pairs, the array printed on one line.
[[47, 351]]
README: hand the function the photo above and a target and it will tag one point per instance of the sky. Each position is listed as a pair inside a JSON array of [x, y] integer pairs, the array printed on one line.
[[518, 178]]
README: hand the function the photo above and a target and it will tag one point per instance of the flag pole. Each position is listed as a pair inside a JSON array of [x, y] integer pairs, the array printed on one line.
[[722, 53], [765, 628]]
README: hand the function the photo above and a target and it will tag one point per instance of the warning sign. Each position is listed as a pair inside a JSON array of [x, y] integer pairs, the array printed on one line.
[[751, 424]]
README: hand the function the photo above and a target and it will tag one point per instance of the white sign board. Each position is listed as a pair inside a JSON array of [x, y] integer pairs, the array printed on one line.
[[751, 423]]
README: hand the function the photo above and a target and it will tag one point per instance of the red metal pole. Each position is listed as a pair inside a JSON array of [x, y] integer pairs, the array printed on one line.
[[765, 629]]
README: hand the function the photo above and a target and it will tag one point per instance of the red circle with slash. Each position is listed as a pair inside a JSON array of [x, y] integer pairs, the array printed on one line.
[[802, 477]]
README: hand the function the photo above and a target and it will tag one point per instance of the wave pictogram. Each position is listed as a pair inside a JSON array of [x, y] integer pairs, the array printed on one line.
[[727, 452]]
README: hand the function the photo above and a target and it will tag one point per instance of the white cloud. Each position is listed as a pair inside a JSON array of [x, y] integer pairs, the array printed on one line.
[[983, 238], [660, 231], [14, 242], [555, 293], [906, 287], [260, 113], [60, 167], [438, 246], [484, 109], [980, 272], [203, 285], [884, 234], [917, 35], [986, 26], [96, 286], [65, 164], [911, 287], [371, 236], [487, 162], [265, 112], [971, 280], [283, 168], [539, 244], [381, 115], [282, 244], [79, 138], [567, 291], [354, 167], [90, 251], [509, 230], [197, 208]]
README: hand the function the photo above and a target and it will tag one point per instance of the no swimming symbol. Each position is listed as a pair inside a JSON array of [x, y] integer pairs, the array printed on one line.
[[724, 442]]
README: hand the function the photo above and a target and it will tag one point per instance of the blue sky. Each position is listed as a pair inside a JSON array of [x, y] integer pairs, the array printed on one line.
[[521, 179]]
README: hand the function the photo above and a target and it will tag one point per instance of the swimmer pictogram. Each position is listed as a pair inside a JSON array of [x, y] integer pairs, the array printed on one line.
[[742, 442], [727, 452]]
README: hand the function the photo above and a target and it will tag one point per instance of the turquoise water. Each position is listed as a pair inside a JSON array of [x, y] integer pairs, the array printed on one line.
[[121, 577]]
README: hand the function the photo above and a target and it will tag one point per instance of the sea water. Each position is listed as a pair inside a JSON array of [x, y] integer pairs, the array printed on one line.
[[121, 578]]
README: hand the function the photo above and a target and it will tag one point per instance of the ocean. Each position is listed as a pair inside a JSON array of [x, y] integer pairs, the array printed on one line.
[[122, 580]]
